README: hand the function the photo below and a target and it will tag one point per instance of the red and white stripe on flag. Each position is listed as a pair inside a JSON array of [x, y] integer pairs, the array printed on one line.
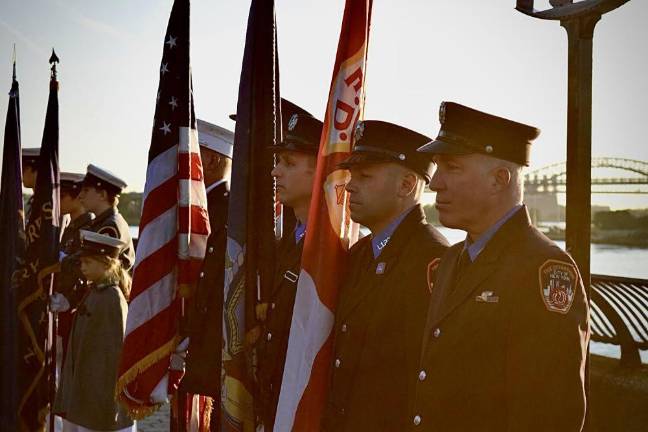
[[174, 227], [330, 233]]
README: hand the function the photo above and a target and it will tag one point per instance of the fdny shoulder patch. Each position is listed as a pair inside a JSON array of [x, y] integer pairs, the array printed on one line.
[[558, 281]]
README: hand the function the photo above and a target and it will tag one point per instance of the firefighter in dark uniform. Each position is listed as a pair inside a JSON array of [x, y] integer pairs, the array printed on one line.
[[204, 321], [294, 173], [383, 300], [506, 336], [29, 159], [100, 195]]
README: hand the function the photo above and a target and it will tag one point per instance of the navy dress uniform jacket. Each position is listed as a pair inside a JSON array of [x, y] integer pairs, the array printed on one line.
[[273, 342], [70, 280], [505, 345], [378, 328], [204, 322], [113, 224]]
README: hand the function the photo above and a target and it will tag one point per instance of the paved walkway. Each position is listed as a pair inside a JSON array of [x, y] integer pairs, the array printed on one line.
[[158, 422]]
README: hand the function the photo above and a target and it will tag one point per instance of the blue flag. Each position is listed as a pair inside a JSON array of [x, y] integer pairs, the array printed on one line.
[[42, 235], [250, 221], [12, 233]]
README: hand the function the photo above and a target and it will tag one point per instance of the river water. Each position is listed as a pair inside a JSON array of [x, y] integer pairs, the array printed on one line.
[[605, 259]]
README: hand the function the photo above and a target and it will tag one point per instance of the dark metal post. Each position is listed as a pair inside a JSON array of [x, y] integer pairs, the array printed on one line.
[[579, 19], [580, 32]]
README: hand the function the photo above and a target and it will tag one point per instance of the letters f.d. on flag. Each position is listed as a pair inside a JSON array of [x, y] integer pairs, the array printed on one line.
[[329, 235]]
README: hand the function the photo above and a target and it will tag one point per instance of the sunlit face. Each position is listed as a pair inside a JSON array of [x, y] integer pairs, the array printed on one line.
[[92, 198], [294, 173], [373, 192], [463, 190], [93, 269], [29, 177]]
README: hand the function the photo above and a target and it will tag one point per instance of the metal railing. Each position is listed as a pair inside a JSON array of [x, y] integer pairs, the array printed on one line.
[[619, 315]]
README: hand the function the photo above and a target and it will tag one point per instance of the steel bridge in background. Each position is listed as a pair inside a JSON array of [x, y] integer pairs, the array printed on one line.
[[552, 178]]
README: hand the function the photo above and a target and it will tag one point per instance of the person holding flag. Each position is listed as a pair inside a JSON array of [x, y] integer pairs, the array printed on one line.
[[204, 323], [69, 280], [70, 283], [383, 300], [293, 173]]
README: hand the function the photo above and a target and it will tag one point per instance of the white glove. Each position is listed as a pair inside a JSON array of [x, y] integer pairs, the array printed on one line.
[[58, 303]]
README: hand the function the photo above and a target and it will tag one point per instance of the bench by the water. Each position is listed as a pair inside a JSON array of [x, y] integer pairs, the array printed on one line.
[[619, 315]]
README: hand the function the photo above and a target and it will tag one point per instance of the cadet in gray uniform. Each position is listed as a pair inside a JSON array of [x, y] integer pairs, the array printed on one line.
[[100, 195]]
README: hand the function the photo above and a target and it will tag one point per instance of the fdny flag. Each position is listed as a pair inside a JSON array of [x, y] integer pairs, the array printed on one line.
[[329, 235]]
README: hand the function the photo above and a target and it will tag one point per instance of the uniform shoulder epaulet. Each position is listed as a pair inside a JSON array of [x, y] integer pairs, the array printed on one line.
[[558, 281]]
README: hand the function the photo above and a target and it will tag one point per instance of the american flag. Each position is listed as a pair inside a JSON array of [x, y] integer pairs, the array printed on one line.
[[173, 233], [329, 235]]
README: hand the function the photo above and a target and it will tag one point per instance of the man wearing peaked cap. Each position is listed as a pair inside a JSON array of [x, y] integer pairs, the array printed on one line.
[[70, 282], [383, 299], [507, 330], [294, 172], [204, 319], [99, 195], [80, 218]]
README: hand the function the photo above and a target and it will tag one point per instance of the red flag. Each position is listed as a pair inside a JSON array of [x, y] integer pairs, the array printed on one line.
[[173, 233], [329, 234]]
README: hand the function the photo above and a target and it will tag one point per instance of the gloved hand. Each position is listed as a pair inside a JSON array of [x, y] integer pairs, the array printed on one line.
[[58, 303]]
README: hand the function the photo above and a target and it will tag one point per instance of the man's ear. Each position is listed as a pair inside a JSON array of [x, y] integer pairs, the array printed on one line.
[[408, 184], [501, 178], [104, 194]]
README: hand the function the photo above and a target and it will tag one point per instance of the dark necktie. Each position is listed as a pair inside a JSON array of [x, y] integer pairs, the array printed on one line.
[[463, 263]]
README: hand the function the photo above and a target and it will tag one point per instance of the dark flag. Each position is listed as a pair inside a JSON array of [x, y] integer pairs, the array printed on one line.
[[41, 261], [250, 225], [12, 233]]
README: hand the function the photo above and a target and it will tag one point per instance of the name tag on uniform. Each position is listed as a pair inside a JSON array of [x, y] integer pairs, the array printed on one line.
[[292, 277], [380, 268], [487, 297]]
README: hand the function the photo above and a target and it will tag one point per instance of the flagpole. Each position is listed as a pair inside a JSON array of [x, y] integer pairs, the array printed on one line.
[[13, 61]]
